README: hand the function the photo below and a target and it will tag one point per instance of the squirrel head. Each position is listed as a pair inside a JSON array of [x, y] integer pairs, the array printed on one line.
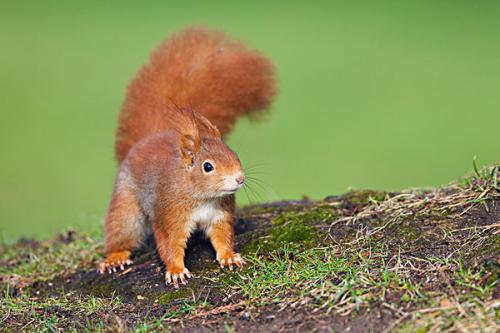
[[214, 169]]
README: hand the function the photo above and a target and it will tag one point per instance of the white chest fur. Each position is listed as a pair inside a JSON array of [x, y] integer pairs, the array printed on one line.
[[205, 215]]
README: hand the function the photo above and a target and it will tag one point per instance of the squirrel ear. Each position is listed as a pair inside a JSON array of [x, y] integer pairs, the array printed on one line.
[[209, 129], [188, 148]]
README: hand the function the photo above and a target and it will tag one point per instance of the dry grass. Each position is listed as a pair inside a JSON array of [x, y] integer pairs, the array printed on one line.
[[415, 261]]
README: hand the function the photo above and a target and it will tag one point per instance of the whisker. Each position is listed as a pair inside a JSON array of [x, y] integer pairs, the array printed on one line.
[[256, 180], [250, 201], [269, 192], [262, 186], [250, 195], [255, 193], [255, 168], [259, 165], [256, 172]]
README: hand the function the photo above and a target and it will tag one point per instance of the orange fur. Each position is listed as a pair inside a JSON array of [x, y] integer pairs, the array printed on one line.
[[171, 125], [122, 236], [200, 69]]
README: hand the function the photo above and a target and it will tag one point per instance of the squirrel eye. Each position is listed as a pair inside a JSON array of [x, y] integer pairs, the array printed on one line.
[[208, 167]]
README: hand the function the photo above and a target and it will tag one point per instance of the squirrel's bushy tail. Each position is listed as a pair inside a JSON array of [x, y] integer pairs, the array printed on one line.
[[199, 69]]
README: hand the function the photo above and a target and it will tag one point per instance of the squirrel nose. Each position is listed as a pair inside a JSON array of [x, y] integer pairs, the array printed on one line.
[[240, 179]]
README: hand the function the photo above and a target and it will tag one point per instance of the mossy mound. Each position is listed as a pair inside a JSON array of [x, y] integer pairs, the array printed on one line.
[[297, 229], [366, 260]]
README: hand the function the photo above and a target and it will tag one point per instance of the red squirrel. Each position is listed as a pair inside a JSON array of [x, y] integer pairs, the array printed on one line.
[[176, 174]]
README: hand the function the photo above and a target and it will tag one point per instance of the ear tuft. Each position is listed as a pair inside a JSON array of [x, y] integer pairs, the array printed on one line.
[[189, 146], [203, 125], [207, 128]]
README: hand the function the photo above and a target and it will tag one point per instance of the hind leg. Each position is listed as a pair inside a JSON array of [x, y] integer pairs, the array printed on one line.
[[124, 229]]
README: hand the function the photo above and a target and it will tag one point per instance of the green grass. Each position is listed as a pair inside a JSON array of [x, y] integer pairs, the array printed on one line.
[[36, 312], [51, 258], [352, 280], [395, 254], [333, 279], [325, 277], [383, 95]]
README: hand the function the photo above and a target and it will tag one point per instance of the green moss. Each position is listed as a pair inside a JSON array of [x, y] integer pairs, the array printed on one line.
[[292, 230], [364, 196], [406, 231], [295, 229], [294, 233], [180, 293], [254, 246]]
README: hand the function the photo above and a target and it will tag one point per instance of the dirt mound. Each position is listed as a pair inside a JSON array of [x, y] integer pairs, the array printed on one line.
[[363, 261]]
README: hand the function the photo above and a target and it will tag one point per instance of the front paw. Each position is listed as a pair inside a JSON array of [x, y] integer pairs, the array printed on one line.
[[173, 276], [113, 261], [230, 259]]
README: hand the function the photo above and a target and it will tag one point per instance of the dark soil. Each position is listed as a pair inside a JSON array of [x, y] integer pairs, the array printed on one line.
[[420, 225]]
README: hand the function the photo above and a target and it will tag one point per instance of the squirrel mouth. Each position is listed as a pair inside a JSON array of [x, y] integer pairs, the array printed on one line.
[[230, 191], [227, 192]]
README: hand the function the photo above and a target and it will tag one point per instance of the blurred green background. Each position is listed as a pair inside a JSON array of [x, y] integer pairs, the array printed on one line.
[[372, 95]]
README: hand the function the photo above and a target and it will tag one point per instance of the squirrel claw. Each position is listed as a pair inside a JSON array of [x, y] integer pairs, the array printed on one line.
[[173, 278], [113, 262], [231, 261]]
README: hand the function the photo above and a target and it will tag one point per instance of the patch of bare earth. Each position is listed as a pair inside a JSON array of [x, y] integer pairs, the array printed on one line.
[[364, 261]]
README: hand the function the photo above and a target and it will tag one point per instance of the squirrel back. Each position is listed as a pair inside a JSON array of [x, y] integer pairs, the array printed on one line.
[[196, 69]]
